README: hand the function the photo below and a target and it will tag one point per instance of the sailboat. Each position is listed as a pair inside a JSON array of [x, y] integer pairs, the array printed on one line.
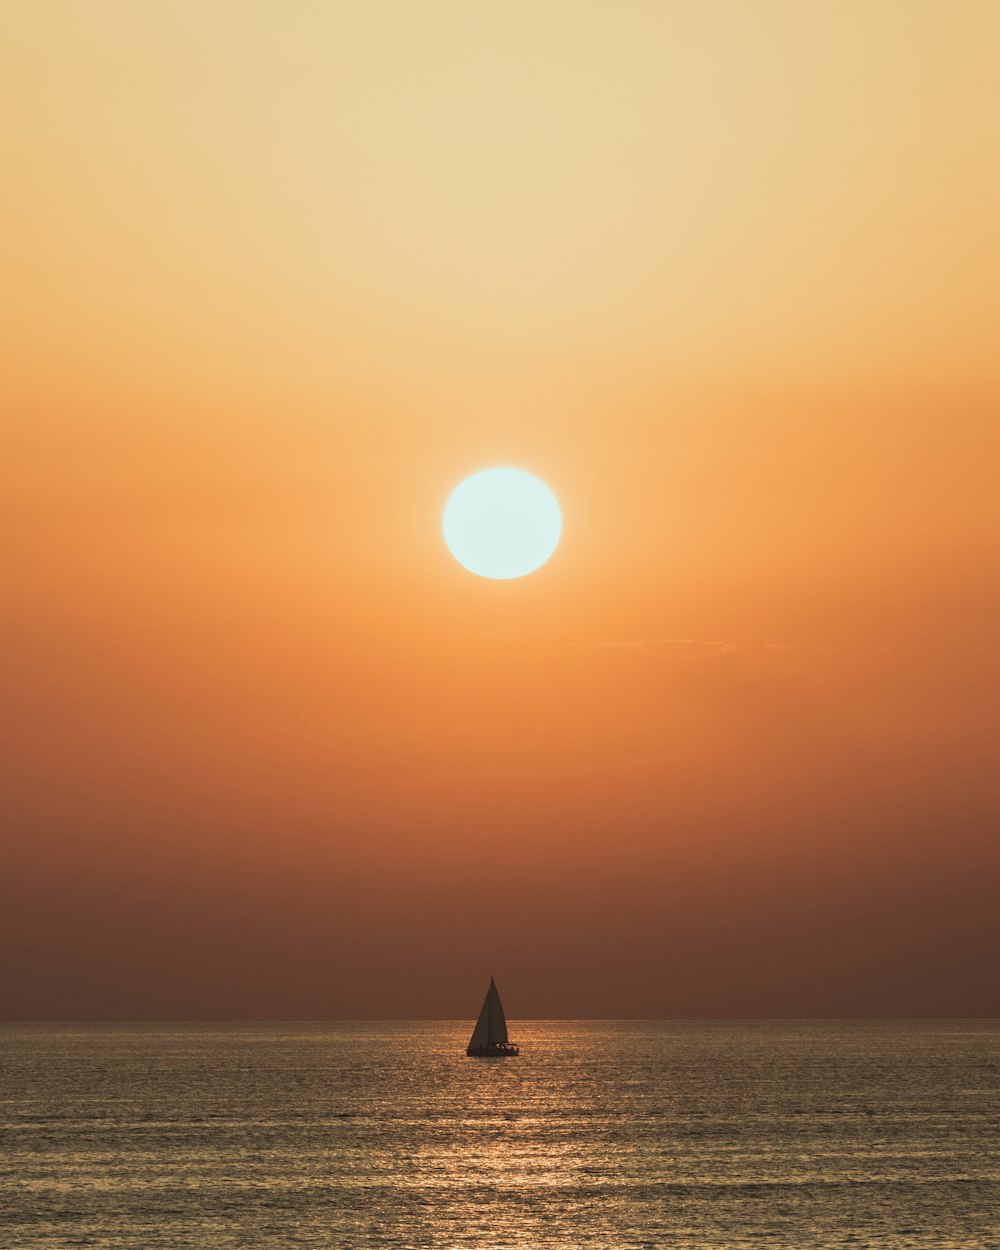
[[489, 1037]]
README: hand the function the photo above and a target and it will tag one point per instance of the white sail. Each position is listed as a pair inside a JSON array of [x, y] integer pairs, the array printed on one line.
[[491, 1027]]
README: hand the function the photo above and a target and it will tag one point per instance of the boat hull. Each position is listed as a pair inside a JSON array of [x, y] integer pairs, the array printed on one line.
[[500, 1051]]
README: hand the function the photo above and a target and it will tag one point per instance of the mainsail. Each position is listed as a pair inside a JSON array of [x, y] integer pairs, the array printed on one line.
[[491, 1027]]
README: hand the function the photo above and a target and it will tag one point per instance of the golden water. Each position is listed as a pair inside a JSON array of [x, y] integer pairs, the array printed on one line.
[[613, 1134]]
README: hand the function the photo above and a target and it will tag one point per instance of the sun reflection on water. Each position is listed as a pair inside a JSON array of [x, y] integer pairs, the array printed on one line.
[[619, 1135]]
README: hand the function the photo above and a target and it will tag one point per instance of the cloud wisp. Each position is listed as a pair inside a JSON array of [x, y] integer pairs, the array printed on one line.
[[672, 648]]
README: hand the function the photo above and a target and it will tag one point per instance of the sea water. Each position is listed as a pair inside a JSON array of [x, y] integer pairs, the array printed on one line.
[[613, 1134]]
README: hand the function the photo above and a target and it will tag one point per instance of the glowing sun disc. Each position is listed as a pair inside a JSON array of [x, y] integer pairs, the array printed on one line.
[[502, 523]]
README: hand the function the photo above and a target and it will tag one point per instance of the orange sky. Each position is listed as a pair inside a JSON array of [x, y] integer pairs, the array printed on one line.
[[275, 280]]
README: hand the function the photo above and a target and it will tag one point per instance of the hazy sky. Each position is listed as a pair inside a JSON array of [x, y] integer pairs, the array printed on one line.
[[276, 278]]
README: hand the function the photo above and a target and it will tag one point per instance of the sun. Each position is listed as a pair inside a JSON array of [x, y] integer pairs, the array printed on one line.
[[502, 523]]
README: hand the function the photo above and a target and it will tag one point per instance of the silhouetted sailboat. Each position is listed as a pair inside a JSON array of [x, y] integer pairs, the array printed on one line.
[[489, 1037]]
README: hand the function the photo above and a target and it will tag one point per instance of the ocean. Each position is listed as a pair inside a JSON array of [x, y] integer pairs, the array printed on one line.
[[619, 1134]]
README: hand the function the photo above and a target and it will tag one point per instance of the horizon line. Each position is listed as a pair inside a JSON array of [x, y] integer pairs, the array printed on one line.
[[520, 1019]]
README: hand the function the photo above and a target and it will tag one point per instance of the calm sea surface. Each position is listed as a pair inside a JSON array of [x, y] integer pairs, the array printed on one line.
[[617, 1134]]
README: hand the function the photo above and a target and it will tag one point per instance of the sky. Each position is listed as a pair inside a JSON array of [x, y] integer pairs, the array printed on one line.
[[276, 279]]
